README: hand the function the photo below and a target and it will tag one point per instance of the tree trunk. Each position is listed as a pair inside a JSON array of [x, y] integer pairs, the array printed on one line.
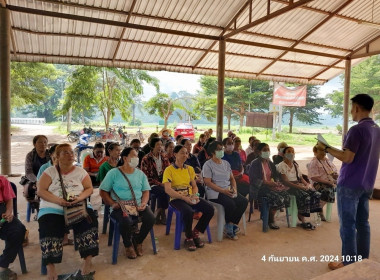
[[241, 116], [69, 119], [229, 121], [133, 113], [166, 122], [291, 122], [82, 113]]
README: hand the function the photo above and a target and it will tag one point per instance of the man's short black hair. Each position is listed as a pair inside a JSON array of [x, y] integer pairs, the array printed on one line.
[[364, 101]]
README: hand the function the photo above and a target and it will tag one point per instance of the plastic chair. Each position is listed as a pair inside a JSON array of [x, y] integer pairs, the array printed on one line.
[[114, 237], [106, 218], [29, 211], [179, 227], [328, 211], [221, 220], [293, 210], [21, 258]]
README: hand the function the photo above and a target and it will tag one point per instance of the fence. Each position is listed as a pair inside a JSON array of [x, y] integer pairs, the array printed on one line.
[[28, 121]]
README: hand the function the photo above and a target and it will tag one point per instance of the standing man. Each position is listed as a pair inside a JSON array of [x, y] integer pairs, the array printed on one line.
[[360, 157]]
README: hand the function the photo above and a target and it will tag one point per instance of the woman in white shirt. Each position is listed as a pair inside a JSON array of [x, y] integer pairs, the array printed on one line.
[[51, 221], [308, 199]]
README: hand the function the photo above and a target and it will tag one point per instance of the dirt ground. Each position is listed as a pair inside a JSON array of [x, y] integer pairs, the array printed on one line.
[[219, 260]]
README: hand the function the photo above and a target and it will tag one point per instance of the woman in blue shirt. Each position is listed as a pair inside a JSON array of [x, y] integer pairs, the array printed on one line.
[[115, 190]]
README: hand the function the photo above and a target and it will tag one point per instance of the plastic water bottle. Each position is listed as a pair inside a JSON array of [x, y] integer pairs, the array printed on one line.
[[157, 244], [2, 222]]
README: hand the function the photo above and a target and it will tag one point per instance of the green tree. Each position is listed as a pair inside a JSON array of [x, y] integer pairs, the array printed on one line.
[[48, 109], [335, 103], [308, 114], [30, 83], [81, 92], [106, 89], [163, 105], [240, 97], [120, 89], [365, 78]]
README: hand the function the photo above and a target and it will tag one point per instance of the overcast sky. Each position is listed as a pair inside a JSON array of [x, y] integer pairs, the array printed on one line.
[[175, 82]]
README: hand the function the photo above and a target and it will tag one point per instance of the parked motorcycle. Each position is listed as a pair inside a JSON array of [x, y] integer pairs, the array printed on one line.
[[73, 136]]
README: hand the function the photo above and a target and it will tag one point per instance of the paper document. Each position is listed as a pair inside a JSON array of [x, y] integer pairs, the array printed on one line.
[[323, 141]]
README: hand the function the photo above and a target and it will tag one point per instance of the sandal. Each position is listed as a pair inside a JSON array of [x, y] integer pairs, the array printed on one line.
[[307, 226], [190, 245], [130, 252]]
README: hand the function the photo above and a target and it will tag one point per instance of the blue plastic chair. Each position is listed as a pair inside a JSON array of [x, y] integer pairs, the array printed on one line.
[[21, 258], [264, 214], [179, 227], [114, 237], [29, 211]]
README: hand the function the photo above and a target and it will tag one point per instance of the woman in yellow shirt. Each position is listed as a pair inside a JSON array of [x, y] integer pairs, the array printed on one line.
[[180, 185]]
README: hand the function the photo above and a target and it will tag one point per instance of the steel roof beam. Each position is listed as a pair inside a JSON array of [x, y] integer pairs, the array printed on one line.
[[110, 22], [349, 56], [311, 31], [124, 28], [241, 10], [161, 45], [80, 6], [164, 65], [267, 18], [269, 46]]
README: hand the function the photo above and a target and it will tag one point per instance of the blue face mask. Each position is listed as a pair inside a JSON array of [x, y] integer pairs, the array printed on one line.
[[265, 155], [289, 156], [219, 154]]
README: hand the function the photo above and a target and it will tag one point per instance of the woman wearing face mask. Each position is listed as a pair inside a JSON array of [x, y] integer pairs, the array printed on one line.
[[265, 181], [180, 185], [308, 199], [221, 189], [236, 163], [324, 175], [280, 156], [115, 190]]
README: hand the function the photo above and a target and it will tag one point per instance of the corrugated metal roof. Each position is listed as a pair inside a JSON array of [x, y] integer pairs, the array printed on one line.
[[299, 41]]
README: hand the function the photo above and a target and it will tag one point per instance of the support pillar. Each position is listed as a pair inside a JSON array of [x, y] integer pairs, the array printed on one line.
[[5, 81], [346, 97], [220, 98]]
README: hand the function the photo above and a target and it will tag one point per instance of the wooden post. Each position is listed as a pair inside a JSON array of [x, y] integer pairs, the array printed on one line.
[[5, 82], [220, 98], [346, 98]]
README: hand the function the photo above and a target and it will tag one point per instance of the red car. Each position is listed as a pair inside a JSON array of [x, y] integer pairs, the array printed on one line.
[[185, 129]]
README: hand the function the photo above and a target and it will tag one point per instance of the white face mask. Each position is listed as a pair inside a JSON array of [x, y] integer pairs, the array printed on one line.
[[265, 155], [229, 148], [134, 162]]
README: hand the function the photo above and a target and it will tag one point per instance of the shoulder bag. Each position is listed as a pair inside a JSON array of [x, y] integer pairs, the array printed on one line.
[[75, 213], [129, 207]]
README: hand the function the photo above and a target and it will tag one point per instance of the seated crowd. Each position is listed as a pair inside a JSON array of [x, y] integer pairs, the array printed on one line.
[[161, 173]]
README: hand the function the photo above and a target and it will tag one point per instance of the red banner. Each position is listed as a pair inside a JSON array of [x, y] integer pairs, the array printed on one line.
[[289, 97]]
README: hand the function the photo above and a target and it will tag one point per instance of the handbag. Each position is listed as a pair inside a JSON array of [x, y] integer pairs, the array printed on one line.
[[75, 213], [129, 207], [24, 180]]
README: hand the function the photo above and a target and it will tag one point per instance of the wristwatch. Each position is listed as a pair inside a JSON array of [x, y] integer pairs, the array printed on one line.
[[326, 149]]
